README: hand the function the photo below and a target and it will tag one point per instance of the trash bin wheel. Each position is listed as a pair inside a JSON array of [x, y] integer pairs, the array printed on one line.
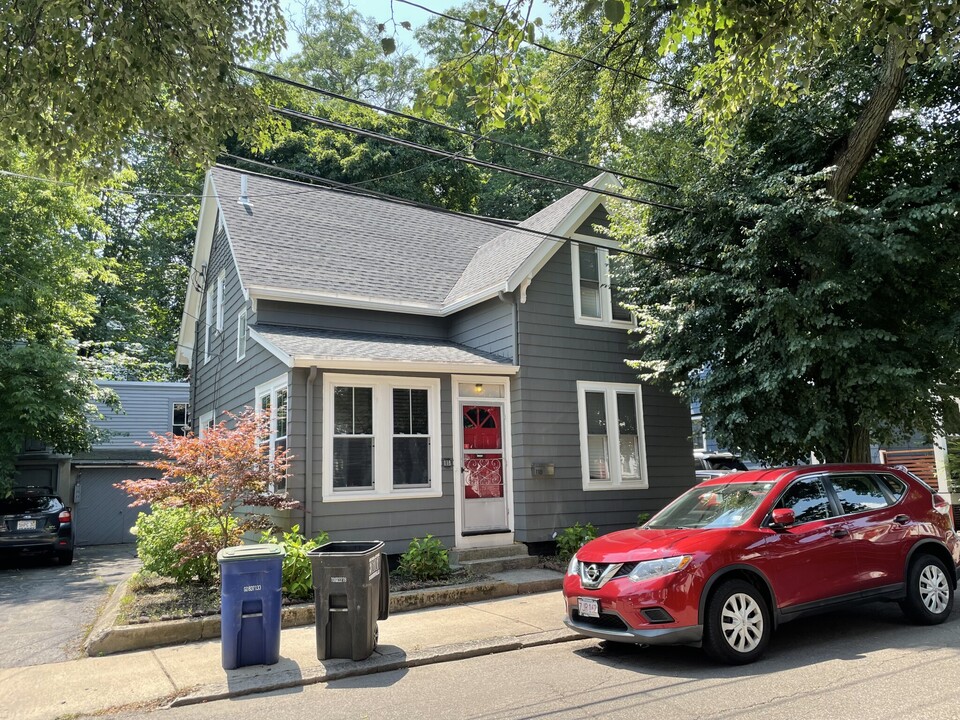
[[376, 634]]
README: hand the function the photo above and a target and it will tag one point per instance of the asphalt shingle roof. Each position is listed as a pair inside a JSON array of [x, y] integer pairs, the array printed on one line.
[[363, 347], [306, 238]]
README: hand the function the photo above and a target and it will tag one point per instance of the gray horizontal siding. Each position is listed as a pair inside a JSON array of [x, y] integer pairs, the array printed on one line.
[[325, 317], [488, 326], [597, 217], [555, 353], [145, 408]]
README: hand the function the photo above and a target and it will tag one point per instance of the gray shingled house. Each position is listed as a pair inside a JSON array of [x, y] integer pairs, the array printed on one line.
[[428, 373]]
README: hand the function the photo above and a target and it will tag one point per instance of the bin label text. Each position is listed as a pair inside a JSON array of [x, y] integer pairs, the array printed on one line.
[[338, 579], [252, 588]]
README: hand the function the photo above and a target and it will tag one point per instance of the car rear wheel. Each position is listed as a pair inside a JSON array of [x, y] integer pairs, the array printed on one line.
[[65, 557], [929, 591], [737, 624]]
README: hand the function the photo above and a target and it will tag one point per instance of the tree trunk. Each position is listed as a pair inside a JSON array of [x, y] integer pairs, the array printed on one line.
[[863, 138], [858, 445]]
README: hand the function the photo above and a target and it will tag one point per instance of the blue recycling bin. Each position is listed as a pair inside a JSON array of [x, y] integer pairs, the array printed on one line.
[[251, 583]]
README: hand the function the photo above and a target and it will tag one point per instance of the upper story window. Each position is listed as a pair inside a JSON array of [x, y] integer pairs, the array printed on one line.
[[273, 398], [596, 299], [612, 448], [381, 437], [242, 335], [207, 322], [220, 283], [181, 418]]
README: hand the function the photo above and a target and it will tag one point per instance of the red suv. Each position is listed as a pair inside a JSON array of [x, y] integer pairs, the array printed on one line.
[[735, 556]]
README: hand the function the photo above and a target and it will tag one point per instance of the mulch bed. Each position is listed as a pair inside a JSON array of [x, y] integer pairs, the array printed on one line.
[[153, 598]]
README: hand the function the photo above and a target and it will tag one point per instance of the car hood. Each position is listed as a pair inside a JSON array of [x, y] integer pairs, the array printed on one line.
[[639, 544]]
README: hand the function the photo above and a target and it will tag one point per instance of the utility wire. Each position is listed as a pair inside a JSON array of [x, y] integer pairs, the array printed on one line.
[[449, 128], [594, 63], [327, 185], [332, 124]]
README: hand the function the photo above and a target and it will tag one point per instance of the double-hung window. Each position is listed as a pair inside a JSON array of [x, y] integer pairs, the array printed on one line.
[[207, 323], [241, 334], [220, 282], [596, 298], [181, 418], [273, 399], [381, 437], [611, 436]]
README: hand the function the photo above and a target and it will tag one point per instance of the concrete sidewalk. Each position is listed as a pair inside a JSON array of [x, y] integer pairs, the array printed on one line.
[[193, 673]]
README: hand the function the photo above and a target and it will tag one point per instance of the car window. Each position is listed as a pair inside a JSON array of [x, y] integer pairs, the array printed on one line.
[[895, 486], [858, 493], [19, 504], [808, 499], [712, 506]]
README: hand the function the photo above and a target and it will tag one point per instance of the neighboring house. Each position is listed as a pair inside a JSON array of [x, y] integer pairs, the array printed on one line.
[[428, 373], [102, 513]]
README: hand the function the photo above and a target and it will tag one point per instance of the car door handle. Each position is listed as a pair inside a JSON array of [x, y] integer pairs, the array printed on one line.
[[902, 519], [840, 532]]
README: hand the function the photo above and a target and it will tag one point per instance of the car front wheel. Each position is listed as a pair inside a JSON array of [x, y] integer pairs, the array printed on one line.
[[738, 624], [929, 591]]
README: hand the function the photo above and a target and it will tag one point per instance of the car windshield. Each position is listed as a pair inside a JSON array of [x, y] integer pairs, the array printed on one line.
[[713, 506]]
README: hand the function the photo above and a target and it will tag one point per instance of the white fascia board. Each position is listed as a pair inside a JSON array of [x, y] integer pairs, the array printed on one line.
[[206, 229], [283, 357], [366, 365], [260, 292], [573, 219], [475, 299]]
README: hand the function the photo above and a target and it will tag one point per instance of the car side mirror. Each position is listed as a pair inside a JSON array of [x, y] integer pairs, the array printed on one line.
[[782, 518]]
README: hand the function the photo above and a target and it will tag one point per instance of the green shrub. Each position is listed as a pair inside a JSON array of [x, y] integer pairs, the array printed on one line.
[[297, 570], [425, 559], [163, 548], [642, 518], [574, 538]]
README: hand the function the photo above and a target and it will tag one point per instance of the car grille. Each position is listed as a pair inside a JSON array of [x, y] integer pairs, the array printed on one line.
[[606, 621]]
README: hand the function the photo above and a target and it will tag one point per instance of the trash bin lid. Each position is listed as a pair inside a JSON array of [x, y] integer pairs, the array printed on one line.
[[250, 552]]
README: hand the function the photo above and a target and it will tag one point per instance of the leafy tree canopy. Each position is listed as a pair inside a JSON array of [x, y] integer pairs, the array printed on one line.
[[77, 80], [51, 243]]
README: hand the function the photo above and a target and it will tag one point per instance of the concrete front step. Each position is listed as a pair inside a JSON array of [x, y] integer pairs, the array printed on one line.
[[459, 556], [496, 565]]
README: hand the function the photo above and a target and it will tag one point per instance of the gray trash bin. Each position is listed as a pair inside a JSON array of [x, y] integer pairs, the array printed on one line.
[[351, 592]]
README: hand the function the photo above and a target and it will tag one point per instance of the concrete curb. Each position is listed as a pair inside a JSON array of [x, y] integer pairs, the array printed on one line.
[[332, 670], [108, 638]]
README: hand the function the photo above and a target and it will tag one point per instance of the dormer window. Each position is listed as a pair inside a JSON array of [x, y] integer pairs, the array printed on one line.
[[596, 299]]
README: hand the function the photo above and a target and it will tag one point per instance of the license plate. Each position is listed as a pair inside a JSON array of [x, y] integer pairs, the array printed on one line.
[[26, 524], [588, 607]]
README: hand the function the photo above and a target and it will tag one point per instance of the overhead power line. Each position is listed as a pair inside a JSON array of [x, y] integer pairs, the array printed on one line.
[[332, 124], [450, 128], [547, 48], [326, 185]]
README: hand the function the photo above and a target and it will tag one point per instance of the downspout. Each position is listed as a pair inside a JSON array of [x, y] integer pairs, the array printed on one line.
[[308, 459]]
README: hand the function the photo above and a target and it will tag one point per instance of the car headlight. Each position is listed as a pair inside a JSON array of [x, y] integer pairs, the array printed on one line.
[[649, 569], [574, 567]]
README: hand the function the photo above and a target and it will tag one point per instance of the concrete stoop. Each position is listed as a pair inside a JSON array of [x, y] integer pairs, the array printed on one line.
[[490, 560], [107, 637]]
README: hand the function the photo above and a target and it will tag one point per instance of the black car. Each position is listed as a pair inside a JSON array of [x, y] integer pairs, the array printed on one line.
[[35, 520]]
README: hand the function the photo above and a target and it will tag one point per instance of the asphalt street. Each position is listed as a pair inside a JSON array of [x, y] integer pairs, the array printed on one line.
[[47, 609], [863, 663]]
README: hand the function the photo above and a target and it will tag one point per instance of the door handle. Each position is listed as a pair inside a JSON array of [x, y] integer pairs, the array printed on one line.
[[840, 532], [902, 519]]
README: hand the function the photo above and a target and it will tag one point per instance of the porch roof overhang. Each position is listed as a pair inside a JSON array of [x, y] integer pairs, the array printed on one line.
[[338, 350]]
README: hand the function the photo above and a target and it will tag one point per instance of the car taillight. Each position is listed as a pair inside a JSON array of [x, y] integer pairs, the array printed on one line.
[[64, 516], [941, 505]]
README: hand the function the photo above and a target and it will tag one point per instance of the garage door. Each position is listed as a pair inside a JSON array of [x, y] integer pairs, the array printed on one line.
[[100, 510]]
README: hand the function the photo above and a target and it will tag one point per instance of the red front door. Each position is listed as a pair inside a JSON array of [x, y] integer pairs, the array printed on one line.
[[484, 501]]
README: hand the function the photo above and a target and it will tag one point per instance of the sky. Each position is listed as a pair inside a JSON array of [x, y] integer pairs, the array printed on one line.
[[380, 10]]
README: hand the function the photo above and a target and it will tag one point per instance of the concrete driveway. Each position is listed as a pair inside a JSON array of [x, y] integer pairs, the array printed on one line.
[[46, 610]]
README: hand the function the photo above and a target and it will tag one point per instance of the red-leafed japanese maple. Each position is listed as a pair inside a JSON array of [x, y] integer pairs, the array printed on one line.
[[213, 477]]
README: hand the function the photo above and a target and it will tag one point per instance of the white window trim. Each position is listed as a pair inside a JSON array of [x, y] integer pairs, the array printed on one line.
[[241, 334], [699, 439], [383, 386], [606, 301], [206, 420], [610, 390], [220, 283], [207, 322], [270, 388]]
